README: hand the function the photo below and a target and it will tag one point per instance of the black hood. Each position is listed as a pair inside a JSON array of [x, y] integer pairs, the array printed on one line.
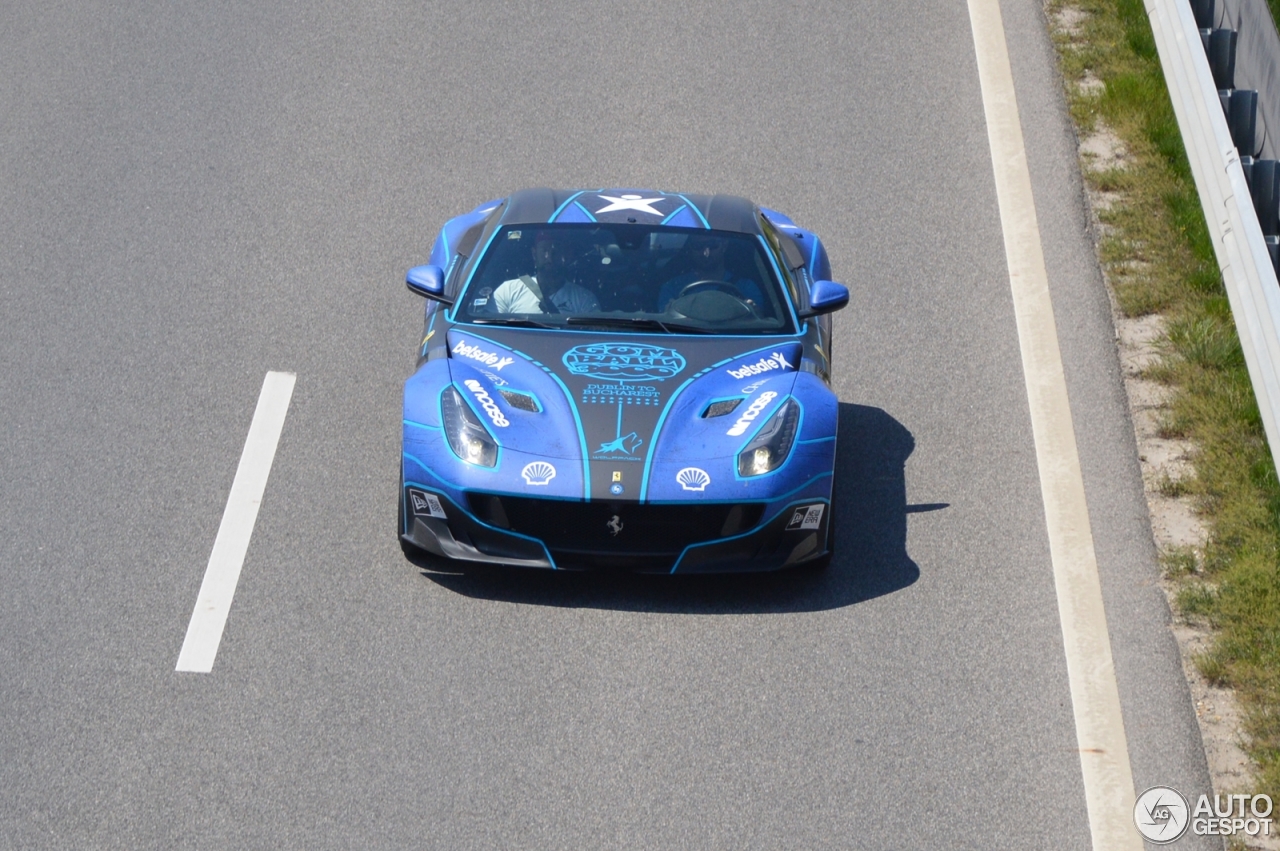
[[607, 397]]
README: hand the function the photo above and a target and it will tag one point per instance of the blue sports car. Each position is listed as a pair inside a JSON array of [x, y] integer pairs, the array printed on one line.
[[622, 379]]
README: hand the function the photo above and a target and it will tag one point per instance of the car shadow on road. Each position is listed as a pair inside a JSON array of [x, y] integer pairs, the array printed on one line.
[[870, 556]]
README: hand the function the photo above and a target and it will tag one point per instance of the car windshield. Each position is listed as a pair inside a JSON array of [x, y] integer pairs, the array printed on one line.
[[633, 278]]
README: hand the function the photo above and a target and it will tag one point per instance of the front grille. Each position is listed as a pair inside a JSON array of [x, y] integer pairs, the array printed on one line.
[[588, 527], [572, 560]]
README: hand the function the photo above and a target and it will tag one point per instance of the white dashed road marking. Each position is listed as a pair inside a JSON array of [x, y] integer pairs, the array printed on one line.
[[1095, 700], [204, 633]]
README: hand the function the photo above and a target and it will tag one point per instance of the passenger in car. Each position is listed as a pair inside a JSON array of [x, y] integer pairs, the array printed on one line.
[[548, 289]]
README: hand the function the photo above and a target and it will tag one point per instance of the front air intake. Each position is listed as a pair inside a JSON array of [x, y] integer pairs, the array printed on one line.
[[641, 528]]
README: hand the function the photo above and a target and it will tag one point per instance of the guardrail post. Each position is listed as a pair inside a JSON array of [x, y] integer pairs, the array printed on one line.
[[1242, 118], [1265, 189], [1222, 58], [1203, 10]]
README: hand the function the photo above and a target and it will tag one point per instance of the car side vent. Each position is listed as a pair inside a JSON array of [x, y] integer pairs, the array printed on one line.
[[719, 409], [523, 401]]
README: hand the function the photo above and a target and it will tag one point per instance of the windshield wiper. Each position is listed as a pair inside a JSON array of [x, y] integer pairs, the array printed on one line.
[[518, 321], [638, 322]]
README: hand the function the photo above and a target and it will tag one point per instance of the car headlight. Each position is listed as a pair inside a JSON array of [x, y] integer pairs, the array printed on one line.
[[468, 438], [772, 444]]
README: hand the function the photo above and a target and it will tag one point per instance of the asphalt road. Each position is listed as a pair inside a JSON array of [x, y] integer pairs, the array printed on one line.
[[193, 194]]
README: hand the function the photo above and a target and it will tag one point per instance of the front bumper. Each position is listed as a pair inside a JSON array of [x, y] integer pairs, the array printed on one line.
[[762, 541]]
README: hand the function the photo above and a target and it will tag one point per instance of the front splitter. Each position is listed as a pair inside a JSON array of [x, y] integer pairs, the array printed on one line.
[[778, 543]]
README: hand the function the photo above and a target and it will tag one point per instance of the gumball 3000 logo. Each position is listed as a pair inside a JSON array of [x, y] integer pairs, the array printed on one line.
[[624, 362]]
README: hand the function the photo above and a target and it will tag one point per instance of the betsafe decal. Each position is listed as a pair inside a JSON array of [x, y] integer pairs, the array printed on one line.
[[776, 360], [475, 353]]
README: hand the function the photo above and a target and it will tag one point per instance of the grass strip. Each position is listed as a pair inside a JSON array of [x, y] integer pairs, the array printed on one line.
[[1158, 256]]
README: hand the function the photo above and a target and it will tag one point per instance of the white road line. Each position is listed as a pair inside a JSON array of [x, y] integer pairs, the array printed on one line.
[[213, 604], [1095, 700]]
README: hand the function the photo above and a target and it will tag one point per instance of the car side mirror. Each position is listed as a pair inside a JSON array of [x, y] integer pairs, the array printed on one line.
[[427, 281], [825, 297]]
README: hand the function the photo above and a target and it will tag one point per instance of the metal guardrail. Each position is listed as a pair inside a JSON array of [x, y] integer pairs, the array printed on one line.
[[1243, 258], [1257, 59]]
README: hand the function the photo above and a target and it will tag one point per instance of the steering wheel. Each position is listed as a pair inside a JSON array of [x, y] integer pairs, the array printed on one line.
[[712, 284]]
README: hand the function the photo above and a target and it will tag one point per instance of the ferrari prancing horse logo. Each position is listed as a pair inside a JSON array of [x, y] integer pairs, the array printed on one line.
[[615, 525]]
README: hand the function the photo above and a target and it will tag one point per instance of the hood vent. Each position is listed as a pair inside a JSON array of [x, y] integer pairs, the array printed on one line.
[[522, 401], [719, 409]]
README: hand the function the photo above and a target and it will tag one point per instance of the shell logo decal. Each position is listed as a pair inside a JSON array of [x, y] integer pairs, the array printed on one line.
[[538, 473], [693, 479]]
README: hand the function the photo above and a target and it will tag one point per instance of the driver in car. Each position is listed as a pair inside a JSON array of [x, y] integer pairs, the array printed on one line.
[[548, 289], [709, 271]]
